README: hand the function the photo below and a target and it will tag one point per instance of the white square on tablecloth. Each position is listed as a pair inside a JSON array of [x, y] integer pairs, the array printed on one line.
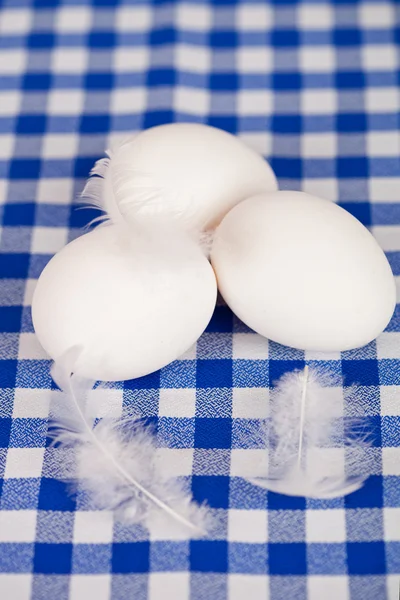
[[175, 462], [248, 526], [257, 16], [10, 102], [15, 22], [192, 58], [391, 524], [31, 403], [93, 527], [326, 525], [387, 345], [17, 526], [12, 62], [317, 60], [391, 461], [328, 587], [382, 99], [177, 402], [249, 346], [376, 15], [55, 191], [48, 240], [128, 100], [192, 101], [252, 462], [169, 585], [390, 400], [379, 57], [60, 145], [73, 19], [130, 59], [314, 16], [93, 587], [193, 17], [319, 145], [15, 586], [133, 18], [256, 60], [318, 102], [24, 462], [384, 189], [70, 60], [254, 102], [250, 403], [250, 587], [7, 142], [383, 143], [392, 586], [65, 102]]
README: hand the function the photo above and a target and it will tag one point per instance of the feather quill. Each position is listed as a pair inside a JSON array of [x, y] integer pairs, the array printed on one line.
[[305, 424], [116, 460]]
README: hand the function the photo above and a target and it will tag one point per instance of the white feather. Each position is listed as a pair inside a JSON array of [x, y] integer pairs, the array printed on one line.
[[125, 194], [305, 425], [116, 460]]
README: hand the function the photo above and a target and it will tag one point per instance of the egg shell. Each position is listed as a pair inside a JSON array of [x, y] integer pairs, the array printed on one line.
[[133, 300], [188, 171], [303, 272]]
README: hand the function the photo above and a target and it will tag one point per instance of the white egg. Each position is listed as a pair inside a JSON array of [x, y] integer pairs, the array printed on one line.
[[133, 301], [303, 272], [191, 172]]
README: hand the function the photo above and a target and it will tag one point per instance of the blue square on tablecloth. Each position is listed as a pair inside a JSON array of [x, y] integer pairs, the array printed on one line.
[[370, 495], [212, 490], [24, 168], [55, 495], [8, 373], [130, 557], [5, 430], [287, 559], [14, 265], [10, 318], [213, 433], [365, 558], [283, 502], [209, 556], [31, 124], [221, 320], [36, 81], [52, 558], [360, 372], [214, 373]]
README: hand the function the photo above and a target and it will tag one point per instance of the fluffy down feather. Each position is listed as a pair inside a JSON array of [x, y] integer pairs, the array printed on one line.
[[315, 439], [116, 461]]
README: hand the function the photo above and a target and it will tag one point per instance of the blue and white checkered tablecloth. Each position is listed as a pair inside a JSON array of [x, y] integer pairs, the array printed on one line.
[[313, 86]]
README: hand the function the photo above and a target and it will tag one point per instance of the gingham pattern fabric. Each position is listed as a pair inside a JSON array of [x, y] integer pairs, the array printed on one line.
[[313, 87]]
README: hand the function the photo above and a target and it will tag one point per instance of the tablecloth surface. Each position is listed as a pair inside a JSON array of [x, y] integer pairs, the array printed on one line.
[[313, 86]]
